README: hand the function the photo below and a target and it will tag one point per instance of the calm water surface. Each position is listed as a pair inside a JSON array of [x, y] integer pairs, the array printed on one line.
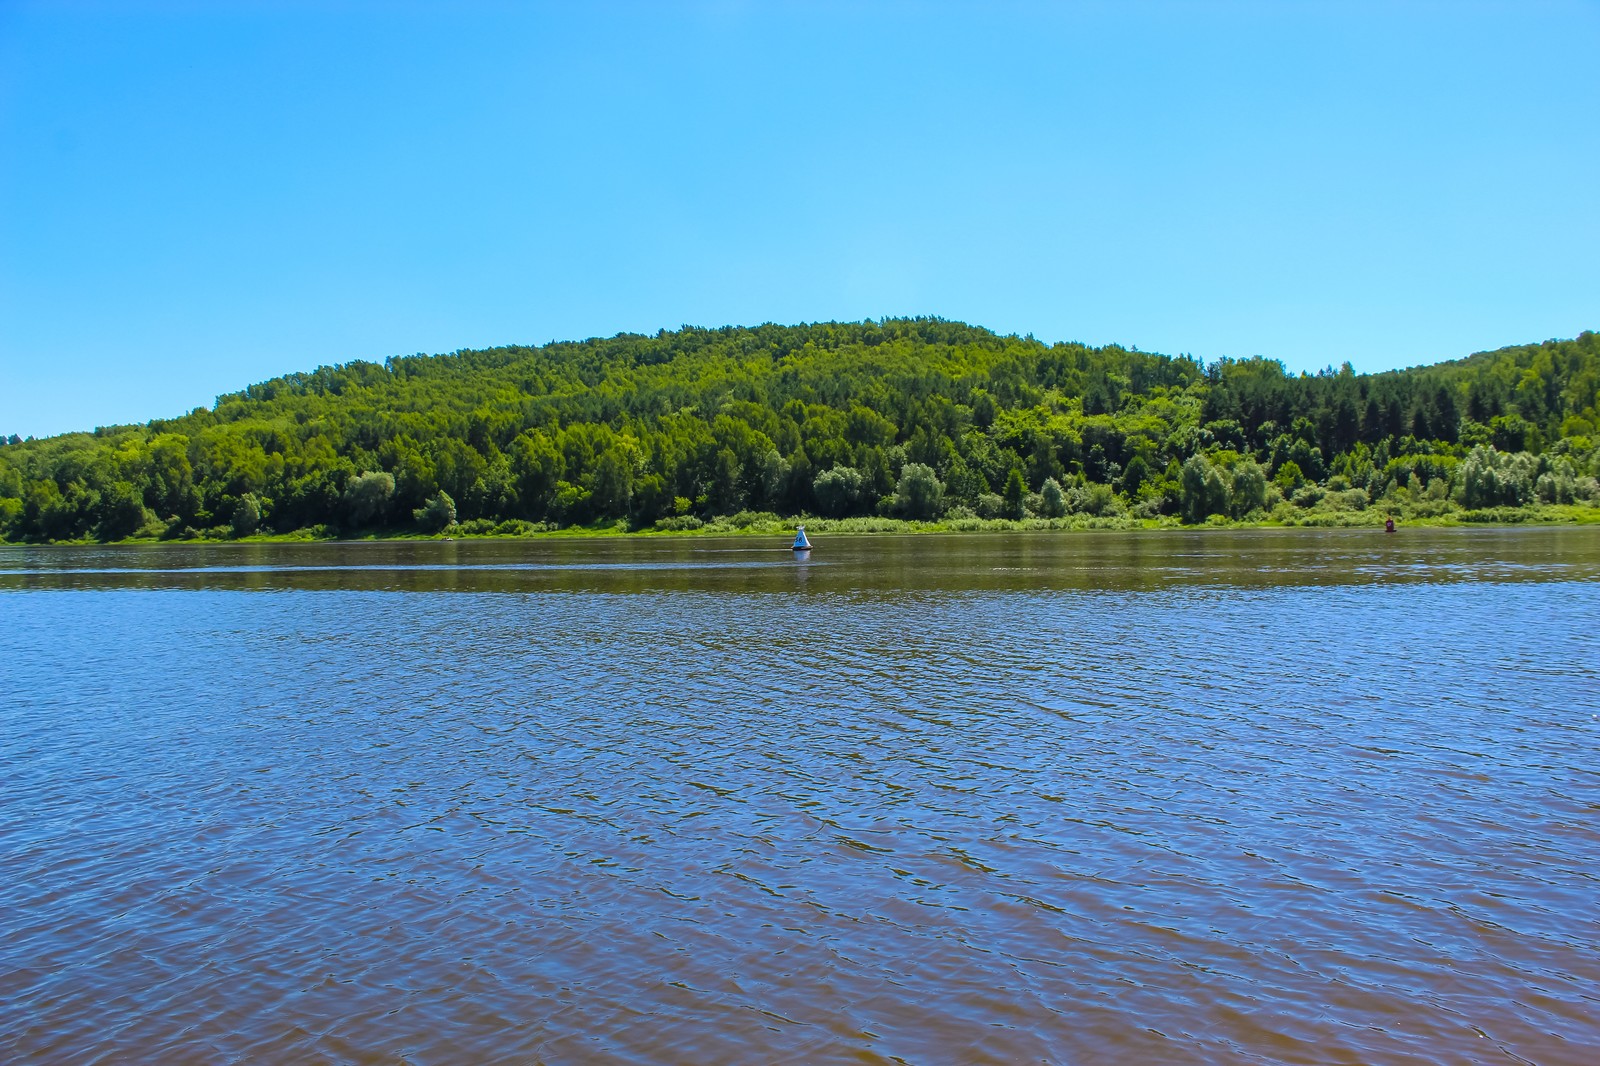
[[1300, 797]]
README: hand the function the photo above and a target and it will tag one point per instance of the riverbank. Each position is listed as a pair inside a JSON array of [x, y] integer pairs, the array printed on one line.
[[760, 524]]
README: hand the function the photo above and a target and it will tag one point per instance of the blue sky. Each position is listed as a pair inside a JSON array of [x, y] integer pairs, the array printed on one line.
[[197, 196]]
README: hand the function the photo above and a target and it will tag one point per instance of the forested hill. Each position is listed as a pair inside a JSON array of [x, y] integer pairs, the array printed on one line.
[[917, 418]]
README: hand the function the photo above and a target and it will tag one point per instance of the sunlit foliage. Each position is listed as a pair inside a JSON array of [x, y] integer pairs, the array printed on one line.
[[913, 418]]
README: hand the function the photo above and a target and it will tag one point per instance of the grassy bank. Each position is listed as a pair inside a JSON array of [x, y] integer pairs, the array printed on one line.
[[1427, 514]]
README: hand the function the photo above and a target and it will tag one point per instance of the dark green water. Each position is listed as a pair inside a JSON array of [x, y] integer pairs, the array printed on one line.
[[1269, 796]]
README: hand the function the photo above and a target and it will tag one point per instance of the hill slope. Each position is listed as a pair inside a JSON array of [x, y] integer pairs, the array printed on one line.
[[916, 417]]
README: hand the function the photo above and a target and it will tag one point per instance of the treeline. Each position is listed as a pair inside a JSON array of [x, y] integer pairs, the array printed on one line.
[[918, 418]]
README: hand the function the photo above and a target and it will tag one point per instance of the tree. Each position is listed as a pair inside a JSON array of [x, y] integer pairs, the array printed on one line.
[[457, 467], [1052, 501], [723, 491], [983, 408], [1216, 493], [1015, 494], [1510, 433], [837, 490], [438, 514], [774, 474], [121, 512], [1135, 476], [918, 494], [246, 515], [1495, 479], [1249, 490], [366, 497], [612, 491], [536, 468], [169, 479], [1204, 493], [962, 482], [1307, 458]]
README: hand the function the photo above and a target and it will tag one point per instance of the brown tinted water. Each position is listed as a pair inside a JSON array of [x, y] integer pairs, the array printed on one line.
[[1272, 796]]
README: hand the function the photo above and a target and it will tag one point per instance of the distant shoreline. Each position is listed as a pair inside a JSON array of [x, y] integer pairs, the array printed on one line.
[[768, 527]]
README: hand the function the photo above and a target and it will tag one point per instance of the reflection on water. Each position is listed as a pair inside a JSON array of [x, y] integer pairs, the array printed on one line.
[[1254, 797], [884, 564]]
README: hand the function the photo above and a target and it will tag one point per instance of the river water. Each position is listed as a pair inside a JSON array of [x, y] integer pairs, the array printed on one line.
[[1211, 797]]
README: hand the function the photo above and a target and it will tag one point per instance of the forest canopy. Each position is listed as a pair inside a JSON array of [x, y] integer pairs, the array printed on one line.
[[914, 418]]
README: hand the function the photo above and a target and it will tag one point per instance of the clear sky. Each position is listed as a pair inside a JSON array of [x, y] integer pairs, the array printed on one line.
[[196, 196]]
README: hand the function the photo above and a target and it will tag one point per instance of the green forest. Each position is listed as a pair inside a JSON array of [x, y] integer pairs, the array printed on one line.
[[856, 425]]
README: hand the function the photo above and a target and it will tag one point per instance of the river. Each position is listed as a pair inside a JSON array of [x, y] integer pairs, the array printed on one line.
[[1269, 796]]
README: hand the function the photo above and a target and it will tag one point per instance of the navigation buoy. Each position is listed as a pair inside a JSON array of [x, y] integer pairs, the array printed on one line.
[[1388, 525], [801, 544]]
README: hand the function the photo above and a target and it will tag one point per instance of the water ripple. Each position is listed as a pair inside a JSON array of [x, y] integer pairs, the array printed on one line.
[[1196, 822]]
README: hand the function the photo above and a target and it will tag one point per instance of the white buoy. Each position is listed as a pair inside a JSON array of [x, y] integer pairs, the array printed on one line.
[[801, 544]]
